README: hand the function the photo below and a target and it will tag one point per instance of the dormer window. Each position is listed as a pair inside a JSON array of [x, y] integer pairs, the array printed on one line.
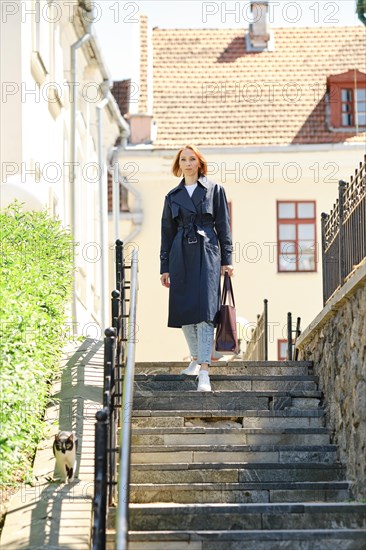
[[347, 100], [353, 107]]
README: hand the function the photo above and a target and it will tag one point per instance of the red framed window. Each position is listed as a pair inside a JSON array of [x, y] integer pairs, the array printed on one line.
[[282, 350], [296, 236], [347, 99], [353, 107]]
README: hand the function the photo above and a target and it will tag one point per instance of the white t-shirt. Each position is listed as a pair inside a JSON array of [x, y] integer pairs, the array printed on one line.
[[191, 188]]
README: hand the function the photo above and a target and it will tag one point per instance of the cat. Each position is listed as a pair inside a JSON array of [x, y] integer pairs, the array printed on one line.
[[64, 449]]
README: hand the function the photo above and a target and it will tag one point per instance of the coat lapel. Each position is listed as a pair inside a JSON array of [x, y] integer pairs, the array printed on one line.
[[181, 197], [198, 195]]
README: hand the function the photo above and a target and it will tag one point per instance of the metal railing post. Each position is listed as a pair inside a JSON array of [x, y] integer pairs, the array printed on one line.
[[109, 359], [324, 219], [117, 325], [265, 330], [119, 265], [115, 302], [289, 336], [121, 288], [100, 480], [257, 335], [297, 334], [341, 267]]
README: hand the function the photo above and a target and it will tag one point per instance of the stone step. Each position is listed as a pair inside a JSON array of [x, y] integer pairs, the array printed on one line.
[[142, 454], [260, 419], [162, 382], [246, 516], [166, 377], [227, 400], [235, 473], [233, 436], [249, 368], [340, 539], [231, 429], [302, 491]]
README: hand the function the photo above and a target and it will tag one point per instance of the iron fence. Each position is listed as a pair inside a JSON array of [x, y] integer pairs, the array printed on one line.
[[108, 418], [344, 233], [257, 347]]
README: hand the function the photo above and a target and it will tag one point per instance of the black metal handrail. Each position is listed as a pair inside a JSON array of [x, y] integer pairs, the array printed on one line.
[[343, 233], [292, 351], [108, 418], [257, 347]]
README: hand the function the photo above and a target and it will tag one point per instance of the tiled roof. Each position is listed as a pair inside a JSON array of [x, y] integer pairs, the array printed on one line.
[[208, 90]]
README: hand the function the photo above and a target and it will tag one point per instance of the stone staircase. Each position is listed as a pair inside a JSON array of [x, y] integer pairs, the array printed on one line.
[[246, 466]]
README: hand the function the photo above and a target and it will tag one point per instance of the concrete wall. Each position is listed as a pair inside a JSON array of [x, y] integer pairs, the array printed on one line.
[[336, 342]]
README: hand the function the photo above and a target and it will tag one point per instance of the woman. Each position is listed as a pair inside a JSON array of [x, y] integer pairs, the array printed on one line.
[[196, 247]]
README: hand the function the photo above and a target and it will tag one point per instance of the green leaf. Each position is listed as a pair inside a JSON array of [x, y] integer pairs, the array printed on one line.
[[36, 272]]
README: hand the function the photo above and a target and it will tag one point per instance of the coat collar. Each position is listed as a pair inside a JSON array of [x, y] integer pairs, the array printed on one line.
[[181, 197], [203, 181]]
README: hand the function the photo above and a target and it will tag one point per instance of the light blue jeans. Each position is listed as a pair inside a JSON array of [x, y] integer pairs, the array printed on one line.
[[200, 340]]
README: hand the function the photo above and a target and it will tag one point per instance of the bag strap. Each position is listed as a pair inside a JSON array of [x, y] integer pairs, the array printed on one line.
[[227, 290]]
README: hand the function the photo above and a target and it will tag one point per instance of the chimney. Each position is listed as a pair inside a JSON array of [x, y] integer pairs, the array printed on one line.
[[260, 37], [142, 125]]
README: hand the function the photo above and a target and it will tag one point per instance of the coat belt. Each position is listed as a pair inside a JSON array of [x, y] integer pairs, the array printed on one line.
[[191, 230]]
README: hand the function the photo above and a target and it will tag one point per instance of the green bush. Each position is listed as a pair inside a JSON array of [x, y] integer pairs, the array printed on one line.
[[36, 282]]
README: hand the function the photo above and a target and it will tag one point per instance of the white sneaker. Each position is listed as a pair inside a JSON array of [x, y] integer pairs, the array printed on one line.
[[193, 369], [203, 381]]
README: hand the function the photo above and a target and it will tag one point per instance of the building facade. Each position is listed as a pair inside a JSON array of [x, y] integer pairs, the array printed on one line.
[[59, 125], [280, 115]]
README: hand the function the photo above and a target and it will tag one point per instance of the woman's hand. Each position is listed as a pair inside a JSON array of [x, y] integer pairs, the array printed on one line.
[[228, 268], [165, 280]]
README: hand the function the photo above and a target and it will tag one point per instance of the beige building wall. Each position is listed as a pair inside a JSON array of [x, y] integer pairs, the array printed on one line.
[[35, 137], [254, 180]]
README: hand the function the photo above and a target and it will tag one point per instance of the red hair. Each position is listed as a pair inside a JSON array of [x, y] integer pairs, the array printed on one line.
[[202, 170]]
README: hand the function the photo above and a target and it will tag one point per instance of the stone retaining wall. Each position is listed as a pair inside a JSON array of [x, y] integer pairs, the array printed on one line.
[[336, 342]]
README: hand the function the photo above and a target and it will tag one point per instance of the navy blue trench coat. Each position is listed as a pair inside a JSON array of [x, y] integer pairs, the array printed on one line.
[[195, 243]]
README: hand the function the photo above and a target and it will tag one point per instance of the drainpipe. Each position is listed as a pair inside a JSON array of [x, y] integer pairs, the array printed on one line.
[[74, 47], [124, 133], [124, 130], [113, 166], [113, 170], [136, 216], [122, 142], [103, 217]]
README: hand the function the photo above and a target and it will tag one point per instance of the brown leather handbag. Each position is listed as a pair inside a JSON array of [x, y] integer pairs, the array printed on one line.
[[226, 333]]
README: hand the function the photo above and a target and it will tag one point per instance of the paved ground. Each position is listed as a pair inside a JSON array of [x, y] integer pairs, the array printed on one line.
[[51, 515]]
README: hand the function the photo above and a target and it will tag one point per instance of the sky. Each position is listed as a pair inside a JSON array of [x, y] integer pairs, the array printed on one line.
[[116, 21]]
